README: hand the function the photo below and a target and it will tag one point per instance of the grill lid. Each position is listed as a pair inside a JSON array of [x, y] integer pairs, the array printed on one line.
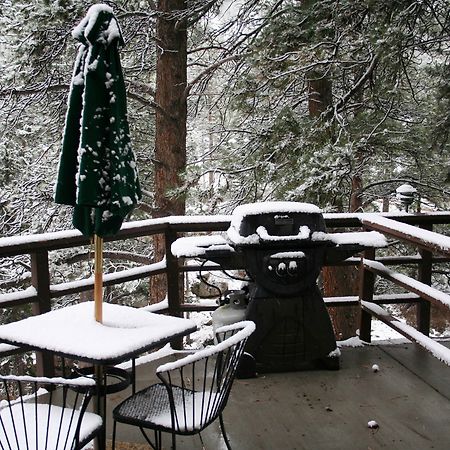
[[275, 224]]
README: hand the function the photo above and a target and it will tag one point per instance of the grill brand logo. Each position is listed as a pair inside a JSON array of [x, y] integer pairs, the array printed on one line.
[[283, 219]]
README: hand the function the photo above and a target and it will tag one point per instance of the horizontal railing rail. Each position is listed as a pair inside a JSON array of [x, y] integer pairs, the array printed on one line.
[[42, 291], [44, 243], [428, 244]]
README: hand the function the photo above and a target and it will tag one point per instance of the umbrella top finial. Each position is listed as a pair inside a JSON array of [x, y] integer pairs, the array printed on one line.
[[99, 24]]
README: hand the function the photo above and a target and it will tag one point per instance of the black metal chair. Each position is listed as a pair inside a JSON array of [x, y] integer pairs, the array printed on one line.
[[193, 392], [46, 413]]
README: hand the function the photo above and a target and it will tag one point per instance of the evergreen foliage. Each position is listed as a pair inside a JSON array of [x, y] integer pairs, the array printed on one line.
[[386, 64]]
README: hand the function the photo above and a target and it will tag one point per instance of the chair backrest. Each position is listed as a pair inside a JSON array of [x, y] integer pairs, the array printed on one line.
[[38, 413], [198, 385]]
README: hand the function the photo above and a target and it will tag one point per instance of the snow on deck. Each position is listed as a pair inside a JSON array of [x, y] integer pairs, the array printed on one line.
[[407, 395]]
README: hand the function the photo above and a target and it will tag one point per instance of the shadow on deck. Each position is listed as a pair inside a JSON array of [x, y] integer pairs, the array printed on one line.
[[409, 397]]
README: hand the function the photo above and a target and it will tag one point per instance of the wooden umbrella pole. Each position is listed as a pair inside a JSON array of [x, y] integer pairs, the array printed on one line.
[[98, 277]]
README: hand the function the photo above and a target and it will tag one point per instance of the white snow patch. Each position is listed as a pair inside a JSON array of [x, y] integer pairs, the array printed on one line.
[[353, 342], [193, 246], [411, 282], [29, 292], [366, 238], [87, 23], [246, 328], [303, 233], [73, 330], [159, 306], [127, 200], [435, 239], [167, 350], [282, 255], [251, 209], [335, 353]]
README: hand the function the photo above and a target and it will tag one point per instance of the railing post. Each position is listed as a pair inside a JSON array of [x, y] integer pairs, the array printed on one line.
[[423, 311], [366, 290], [40, 279], [173, 283]]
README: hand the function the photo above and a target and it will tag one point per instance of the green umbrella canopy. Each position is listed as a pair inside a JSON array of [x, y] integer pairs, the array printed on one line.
[[97, 171]]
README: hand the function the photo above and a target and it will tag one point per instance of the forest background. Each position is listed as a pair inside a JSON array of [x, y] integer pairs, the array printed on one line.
[[333, 102]]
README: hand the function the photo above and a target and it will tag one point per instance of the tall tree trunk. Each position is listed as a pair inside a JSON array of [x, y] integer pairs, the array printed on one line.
[[320, 94], [171, 114], [337, 281], [344, 280]]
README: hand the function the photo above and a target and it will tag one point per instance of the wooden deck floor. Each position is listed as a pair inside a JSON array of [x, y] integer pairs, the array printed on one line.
[[318, 410]]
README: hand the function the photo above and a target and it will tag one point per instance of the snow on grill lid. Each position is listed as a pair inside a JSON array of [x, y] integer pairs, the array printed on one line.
[[244, 220], [251, 209]]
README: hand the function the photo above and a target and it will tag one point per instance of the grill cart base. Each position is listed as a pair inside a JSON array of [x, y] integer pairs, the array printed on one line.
[[292, 333]]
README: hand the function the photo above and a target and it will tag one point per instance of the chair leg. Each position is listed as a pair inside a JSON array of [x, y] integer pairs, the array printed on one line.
[[225, 437], [157, 445], [158, 439], [114, 436], [174, 441]]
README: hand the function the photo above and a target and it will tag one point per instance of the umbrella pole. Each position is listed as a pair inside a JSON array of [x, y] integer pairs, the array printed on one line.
[[98, 277]]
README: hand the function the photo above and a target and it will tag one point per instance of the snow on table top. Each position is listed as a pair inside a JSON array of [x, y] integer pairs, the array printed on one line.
[[74, 332]]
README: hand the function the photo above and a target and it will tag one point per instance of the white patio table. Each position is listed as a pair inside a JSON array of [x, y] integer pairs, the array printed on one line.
[[73, 333]]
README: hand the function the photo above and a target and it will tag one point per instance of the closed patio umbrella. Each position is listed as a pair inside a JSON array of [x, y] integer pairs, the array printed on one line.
[[97, 172]]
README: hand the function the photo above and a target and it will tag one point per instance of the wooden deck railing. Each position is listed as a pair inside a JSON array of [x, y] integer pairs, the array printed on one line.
[[432, 250], [428, 244]]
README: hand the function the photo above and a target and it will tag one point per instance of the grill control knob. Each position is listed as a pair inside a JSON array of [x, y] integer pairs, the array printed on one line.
[[281, 269], [292, 268]]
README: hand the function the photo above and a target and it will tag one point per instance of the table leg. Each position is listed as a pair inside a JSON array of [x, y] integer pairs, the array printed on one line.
[[100, 406]]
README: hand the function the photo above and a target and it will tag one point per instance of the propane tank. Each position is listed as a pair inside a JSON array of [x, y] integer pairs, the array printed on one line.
[[231, 310]]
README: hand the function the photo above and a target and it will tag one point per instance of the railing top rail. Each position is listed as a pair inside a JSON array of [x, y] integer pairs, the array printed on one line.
[[355, 219], [15, 245], [425, 239]]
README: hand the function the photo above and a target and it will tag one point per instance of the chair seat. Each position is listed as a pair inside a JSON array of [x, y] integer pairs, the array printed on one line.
[[61, 423], [150, 408]]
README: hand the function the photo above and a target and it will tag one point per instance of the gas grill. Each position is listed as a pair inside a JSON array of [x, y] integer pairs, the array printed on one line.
[[283, 246]]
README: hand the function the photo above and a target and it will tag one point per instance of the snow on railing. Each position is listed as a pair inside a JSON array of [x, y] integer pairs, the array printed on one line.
[[121, 276], [421, 289], [410, 233], [438, 350], [26, 295]]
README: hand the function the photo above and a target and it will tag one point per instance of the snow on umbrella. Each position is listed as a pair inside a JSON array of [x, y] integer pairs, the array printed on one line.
[[97, 171]]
